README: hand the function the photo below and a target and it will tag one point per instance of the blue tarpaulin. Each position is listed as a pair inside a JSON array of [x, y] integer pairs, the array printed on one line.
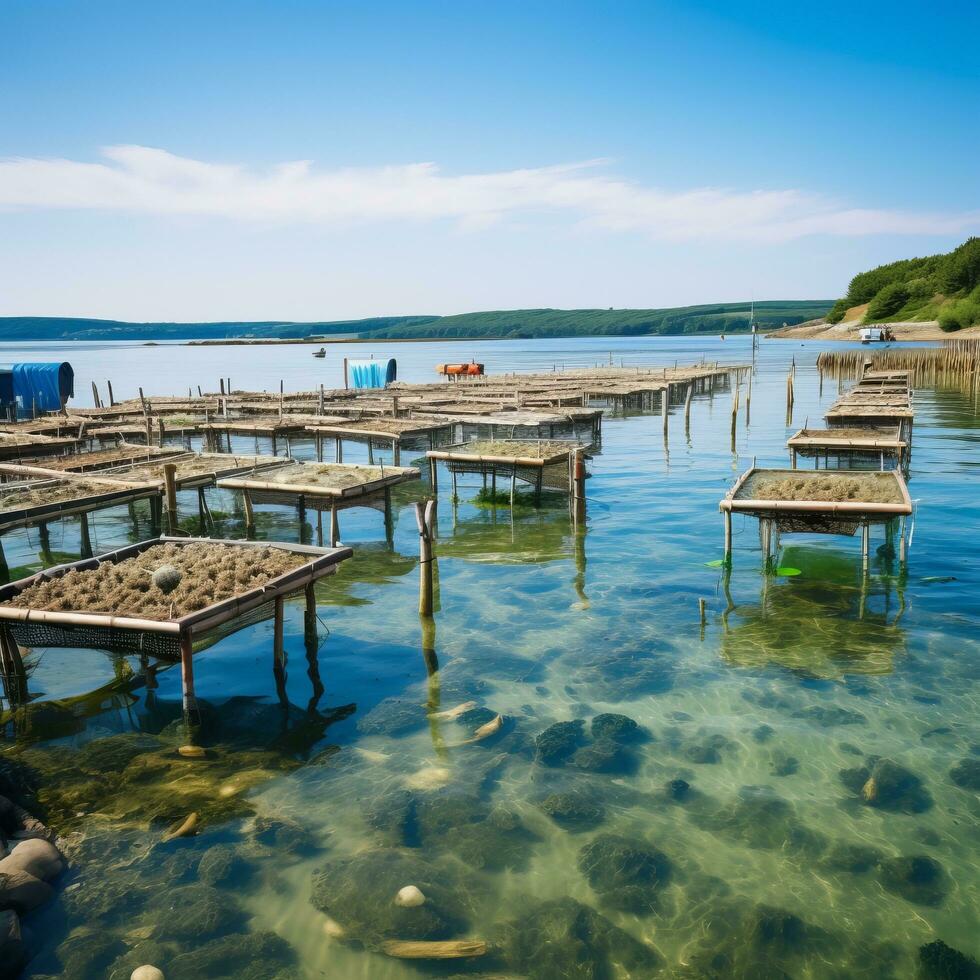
[[371, 374], [41, 386]]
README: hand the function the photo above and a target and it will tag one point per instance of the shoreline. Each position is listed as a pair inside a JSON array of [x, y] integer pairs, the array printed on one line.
[[925, 331]]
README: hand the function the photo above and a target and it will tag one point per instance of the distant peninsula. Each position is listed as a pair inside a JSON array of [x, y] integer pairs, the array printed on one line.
[[716, 318]]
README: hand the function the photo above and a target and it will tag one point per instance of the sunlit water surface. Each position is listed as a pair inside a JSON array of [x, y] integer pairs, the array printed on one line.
[[772, 860]]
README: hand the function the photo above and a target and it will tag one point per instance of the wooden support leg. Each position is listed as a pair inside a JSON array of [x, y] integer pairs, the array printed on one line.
[[249, 514], [396, 452], [202, 508], [334, 526], [319, 528], [309, 614], [278, 651], [45, 536], [370, 453], [301, 516], [455, 496], [513, 491], [865, 547], [424, 516], [433, 477], [4, 569], [728, 536], [319, 449], [310, 637], [86, 545], [901, 543], [187, 672], [339, 450]]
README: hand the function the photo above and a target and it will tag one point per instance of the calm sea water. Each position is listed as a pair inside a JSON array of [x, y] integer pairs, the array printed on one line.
[[737, 836]]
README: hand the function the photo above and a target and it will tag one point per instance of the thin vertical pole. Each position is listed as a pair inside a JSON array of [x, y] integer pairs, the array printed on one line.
[[187, 671], [170, 487], [86, 549]]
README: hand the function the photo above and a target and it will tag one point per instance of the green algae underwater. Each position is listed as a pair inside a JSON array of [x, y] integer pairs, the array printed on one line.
[[790, 790]]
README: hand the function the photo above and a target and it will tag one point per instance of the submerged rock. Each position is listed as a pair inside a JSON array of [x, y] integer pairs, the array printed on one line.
[[777, 929], [886, 785], [569, 940], [22, 892], [758, 817], [937, 961], [574, 811], [621, 674], [223, 867], [244, 956], [13, 953], [621, 728], [853, 857], [784, 764], [918, 879], [286, 837], [88, 954], [357, 893], [966, 773], [829, 716], [194, 913], [557, 743], [604, 755], [679, 790], [37, 857], [626, 874]]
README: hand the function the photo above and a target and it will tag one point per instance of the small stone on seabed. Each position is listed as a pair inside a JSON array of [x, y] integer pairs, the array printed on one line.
[[409, 897], [146, 973], [192, 751]]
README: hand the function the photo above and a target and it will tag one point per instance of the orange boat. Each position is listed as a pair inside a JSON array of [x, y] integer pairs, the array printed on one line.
[[456, 370]]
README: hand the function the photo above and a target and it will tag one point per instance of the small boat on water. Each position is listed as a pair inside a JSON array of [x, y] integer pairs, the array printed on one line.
[[322, 352]]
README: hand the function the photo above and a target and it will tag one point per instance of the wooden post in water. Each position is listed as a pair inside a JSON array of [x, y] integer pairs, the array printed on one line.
[[187, 672], [702, 610], [728, 536], [112, 400], [309, 614], [346, 386], [334, 525], [86, 545], [278, 652], [424, 517], [95, 396], [687, 406], [578, 486], [665, 405], [170, 489]]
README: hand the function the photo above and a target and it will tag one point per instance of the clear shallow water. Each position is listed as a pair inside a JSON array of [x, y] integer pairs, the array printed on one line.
[[791, 682]]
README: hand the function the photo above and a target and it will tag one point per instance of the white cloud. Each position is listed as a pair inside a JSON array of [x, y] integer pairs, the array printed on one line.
[[144, 180]]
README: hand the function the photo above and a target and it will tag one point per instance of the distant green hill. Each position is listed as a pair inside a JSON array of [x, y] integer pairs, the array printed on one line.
[[937, 287], [711, 319]]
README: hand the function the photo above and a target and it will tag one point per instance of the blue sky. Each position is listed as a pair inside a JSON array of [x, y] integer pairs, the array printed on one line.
[[466, 155]]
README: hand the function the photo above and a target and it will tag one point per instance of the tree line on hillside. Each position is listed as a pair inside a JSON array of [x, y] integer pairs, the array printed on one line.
[[942, 287], [708, 319]]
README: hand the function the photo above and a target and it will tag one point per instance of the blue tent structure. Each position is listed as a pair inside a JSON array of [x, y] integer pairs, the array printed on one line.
[[32, 387], [371, 374]]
